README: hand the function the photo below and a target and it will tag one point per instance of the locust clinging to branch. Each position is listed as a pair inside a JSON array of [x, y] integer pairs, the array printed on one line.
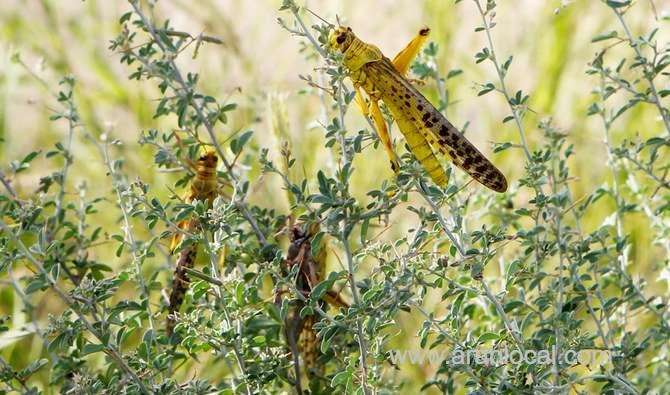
[[427, 132], [301, 336], [204, 188]]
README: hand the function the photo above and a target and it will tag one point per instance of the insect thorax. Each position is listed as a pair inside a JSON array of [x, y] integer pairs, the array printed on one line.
[[203, 188], [360, 53], [360, 78]]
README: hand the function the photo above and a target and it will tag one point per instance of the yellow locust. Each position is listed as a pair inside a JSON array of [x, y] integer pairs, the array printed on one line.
[[427, 132], [204, 188]]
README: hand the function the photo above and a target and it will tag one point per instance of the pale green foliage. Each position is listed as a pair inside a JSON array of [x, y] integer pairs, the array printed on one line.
[[551, 264]]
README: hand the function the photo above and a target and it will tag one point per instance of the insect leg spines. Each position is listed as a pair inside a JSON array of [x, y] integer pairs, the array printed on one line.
[[426, 130], [399, 101], [380, 84], [416, 139]]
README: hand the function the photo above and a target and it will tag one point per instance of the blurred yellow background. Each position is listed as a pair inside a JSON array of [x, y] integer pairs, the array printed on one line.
[[550, 41]]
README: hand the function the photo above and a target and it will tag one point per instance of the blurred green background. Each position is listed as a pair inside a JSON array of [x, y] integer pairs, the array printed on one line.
[[550, 41]]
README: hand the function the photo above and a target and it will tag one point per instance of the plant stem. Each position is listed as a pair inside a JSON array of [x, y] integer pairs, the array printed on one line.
[[205, 121], [619, 203], [362, 346], [345, 159], [130, 238], [441, 220], [665, 115], [110, 349], [503, 88]]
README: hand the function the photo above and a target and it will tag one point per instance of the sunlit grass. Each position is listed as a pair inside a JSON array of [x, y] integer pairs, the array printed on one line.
[[258, 67]]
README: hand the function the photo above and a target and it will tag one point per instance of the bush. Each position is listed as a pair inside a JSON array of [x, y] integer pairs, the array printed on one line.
[[313, 248]]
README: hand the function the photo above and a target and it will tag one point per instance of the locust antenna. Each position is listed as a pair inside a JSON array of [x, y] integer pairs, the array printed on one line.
[[337, 17], [322, 20]]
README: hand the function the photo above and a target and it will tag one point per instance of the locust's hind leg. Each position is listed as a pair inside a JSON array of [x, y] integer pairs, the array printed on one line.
[[334, 299], [404, 58], [380, 125], [384, 135]]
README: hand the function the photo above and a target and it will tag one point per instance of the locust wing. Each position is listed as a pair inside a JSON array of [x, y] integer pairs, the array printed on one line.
[[410, 107], [418, 142]]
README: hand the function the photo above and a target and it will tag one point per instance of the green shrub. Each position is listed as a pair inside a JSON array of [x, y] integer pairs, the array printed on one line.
[[549, 265]]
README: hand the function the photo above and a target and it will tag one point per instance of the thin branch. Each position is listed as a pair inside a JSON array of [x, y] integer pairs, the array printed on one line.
[[205, 121], [503, 88], [110, 349], [665, 114], [8, 186]]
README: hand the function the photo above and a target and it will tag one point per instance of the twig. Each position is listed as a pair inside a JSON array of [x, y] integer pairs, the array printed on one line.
[[110, 349], [205, 121], [8, 186], [503, 88], [665, 115]]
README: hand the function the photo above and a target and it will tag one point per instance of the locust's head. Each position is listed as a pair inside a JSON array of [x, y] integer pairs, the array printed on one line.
[[207, 161], [341, 38]]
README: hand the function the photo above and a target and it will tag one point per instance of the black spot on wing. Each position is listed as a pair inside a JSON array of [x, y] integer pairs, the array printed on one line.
[[445, 137]]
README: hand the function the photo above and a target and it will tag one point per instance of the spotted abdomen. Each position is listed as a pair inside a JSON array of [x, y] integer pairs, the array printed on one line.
[[180, 284], [415, 110]]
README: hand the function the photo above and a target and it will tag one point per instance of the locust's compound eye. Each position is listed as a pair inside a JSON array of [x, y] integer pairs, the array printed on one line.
[[340, 38]]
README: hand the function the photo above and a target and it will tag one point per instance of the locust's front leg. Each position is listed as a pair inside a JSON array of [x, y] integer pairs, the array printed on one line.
[[380, 124], [402, 61]]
